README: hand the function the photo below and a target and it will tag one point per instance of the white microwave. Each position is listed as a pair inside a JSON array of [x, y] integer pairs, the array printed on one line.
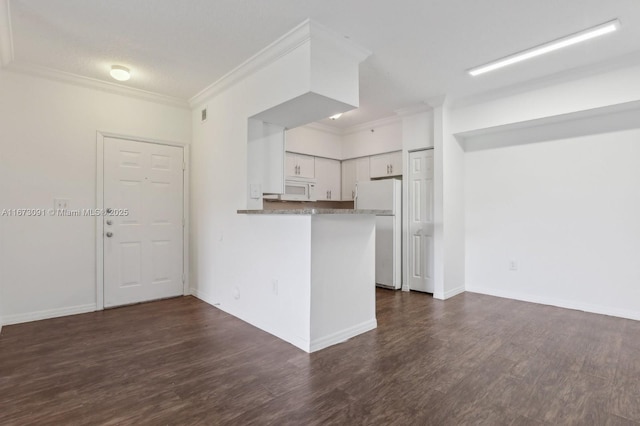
[[297, 190]]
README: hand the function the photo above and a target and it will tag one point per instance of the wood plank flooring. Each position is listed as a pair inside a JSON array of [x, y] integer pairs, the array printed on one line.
[[474, 359]]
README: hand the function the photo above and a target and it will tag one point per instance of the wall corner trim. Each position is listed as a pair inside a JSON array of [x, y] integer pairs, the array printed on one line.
[[92, 83], [283, 45], [299, 35]]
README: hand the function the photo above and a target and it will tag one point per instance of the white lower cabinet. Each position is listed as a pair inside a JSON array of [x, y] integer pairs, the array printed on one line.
[[327, 179]]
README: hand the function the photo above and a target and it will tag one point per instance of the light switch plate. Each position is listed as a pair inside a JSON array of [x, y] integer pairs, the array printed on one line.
[[255, 190]]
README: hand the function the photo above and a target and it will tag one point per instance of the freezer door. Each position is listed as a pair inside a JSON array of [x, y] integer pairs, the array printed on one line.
[[377, 195]]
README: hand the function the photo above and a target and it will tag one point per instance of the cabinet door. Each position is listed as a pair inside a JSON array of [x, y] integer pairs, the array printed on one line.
[[291, 165], [384, 165], [349, 178], [395, 163], [362, 170], [333, 180], [327, 179], [306, 166], [379, 165]]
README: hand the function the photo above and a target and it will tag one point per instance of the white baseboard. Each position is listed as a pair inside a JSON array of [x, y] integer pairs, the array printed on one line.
[[205, 297], [51, 313], [561, 303], [342, 335], [448, 294], [294, 340]]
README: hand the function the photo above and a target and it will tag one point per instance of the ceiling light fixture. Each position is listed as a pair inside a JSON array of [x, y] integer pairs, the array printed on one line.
[[570, 40], [120, 73], [335, 117]]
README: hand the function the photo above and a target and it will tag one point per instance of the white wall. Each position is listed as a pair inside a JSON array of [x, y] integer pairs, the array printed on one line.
[[313, 141], [567, 211], [343, 300], [48, 150], [362, 141]]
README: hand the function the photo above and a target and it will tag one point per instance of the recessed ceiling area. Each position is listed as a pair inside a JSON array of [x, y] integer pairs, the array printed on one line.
[[421, 48]]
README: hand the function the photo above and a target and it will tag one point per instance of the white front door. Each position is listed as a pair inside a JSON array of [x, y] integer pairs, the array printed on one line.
[[143, 236], [421, 221]]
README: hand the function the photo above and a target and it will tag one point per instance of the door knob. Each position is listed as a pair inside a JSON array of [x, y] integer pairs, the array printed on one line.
[[109, 211], [109, 222], [109, 234]]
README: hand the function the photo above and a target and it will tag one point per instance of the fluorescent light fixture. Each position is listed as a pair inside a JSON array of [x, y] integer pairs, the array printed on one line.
[[120, 73], [335, 117], [570, 40]]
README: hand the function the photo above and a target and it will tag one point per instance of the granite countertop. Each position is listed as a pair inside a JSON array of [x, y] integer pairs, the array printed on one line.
[[318, 211]]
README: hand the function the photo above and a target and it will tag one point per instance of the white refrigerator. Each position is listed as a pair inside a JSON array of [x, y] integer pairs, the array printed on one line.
[[385, 194]]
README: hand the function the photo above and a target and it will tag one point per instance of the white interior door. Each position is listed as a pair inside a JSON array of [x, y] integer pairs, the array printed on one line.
[[421, 221], [143, 237]]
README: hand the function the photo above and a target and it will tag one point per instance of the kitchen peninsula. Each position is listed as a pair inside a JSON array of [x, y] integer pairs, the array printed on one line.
[[335, 288]]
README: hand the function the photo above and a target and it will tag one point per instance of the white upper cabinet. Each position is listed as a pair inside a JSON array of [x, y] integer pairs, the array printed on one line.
[[299, 166], [384, 165], [327, 179], [353, 171]]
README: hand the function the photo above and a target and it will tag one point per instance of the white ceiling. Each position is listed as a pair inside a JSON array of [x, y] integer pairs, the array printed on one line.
[[421, 48]]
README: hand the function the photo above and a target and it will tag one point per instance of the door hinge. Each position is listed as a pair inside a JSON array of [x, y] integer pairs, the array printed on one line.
[[184, 222], [183, 279], [184, 166]]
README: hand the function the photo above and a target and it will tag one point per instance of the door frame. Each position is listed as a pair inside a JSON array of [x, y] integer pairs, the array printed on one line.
[[405, 217], [100, 136]]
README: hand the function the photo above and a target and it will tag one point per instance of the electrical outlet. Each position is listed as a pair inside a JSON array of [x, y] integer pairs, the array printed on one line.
[[61, 204], [513, 265], [274, 286]]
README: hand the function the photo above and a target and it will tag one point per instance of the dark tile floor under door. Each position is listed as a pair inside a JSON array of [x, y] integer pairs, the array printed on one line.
[[473, 359]]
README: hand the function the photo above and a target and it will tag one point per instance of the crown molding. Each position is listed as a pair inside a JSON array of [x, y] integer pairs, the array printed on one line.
[[92, 83], [301, 34], [412, 110], [325, 128], [352, 49], [283, 45], [6, 34], [372, 124]]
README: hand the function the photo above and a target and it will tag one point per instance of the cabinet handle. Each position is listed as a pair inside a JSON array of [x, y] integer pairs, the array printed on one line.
[[329, 194], [353, 194], [387, 169], [391, 167]]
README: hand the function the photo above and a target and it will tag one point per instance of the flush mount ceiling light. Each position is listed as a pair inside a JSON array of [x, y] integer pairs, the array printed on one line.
[[569, 40], [335, 117], [120, 73]]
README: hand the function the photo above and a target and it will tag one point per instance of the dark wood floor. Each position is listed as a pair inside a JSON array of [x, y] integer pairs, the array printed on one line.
[[470, 360]]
